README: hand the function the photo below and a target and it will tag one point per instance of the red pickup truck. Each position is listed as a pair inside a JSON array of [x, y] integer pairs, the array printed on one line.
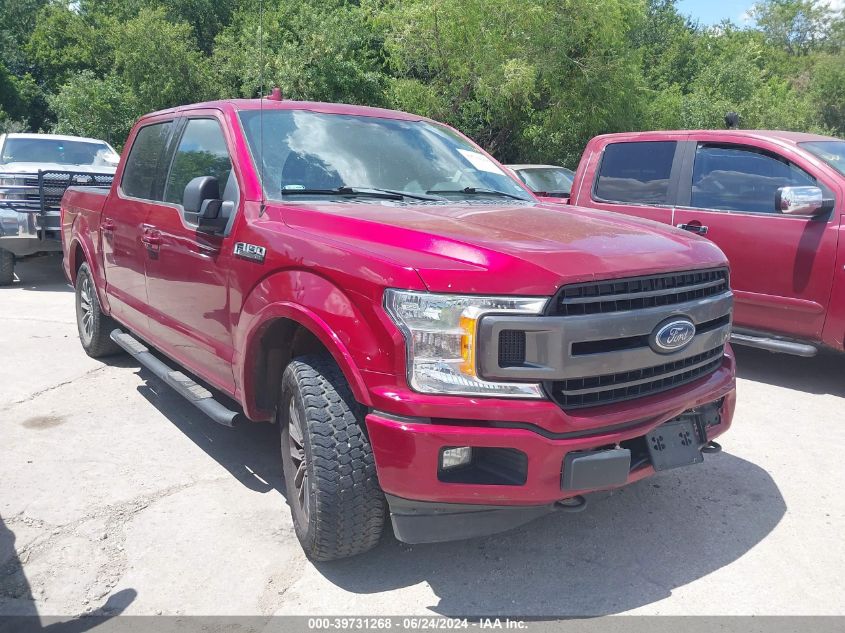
[[774, 202], [433, 341]]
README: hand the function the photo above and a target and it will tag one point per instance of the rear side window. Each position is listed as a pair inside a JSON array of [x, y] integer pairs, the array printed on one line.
[[202, 151], [741, 179], [636, 172], [139, 175]]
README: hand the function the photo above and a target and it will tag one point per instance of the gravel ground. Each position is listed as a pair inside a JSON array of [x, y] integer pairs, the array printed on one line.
[[117, 496]]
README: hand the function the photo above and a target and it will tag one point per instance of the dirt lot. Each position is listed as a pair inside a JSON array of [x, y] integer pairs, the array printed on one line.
[[115, 494]]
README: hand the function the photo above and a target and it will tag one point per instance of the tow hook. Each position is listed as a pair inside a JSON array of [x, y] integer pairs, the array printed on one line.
[[711, 448], [573, 504]]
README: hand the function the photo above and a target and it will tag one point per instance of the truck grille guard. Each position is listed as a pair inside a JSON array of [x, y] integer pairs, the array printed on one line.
[[606, 332], [43, 191]]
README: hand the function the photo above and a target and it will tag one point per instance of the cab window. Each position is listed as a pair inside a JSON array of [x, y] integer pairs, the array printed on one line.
[[202, 151], [140, 174], [636, 172], [742, 179]]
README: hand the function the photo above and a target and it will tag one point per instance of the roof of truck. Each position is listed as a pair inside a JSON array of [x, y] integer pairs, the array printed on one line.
[[230, 105], [779, 135]]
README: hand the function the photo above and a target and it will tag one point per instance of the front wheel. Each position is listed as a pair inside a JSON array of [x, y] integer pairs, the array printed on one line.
[[330, 474], [94, 326]]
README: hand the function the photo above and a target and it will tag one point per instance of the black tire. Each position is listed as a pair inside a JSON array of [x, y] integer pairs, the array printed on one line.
[[337, 506], [7, 268], [94, 327]]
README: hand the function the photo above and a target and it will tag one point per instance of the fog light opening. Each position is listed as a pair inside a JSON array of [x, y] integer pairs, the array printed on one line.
[[482, 465], [455, 457]]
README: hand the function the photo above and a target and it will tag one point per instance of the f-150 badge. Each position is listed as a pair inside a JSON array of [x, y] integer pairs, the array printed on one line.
[[250, 251]]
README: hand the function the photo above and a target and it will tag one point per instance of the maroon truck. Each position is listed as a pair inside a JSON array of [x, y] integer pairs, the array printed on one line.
[[433, 341], [774, 202]]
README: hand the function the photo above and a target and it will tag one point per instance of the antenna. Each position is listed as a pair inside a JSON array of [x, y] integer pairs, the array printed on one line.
[[261, 103]]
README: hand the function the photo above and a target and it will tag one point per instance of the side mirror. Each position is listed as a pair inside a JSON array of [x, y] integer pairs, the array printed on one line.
[[801, 201], [202, 199]]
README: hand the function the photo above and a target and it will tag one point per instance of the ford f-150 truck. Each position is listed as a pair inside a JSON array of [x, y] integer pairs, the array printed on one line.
[[434, 343], [774, 202], [35, 170]]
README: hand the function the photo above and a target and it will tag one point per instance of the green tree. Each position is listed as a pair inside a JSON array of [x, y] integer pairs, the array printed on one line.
[[17, 20], [828, 91], [798, 26], [324, 50], [158, 61], [8, 124], [102, 108], [531, 80], [62, 43]]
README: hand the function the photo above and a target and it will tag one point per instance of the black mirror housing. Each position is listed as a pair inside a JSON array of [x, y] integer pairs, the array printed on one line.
[[202, 198], [198, 191]]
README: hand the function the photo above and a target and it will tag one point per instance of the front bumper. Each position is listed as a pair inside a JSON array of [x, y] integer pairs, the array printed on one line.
[[17, 224], [426, 506], [22, 234]]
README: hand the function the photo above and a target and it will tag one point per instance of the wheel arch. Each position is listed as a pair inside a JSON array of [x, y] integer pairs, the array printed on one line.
[[290, 314], [77, 257], [79, 252]]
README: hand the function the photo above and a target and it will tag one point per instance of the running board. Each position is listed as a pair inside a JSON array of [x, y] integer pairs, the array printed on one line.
[[774, 344], [196, 394]]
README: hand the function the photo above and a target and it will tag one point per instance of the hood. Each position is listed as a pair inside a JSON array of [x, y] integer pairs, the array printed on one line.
[[519, 248], [34, 168]]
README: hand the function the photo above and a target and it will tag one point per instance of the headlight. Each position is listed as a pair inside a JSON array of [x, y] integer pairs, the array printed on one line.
[[441, 339], [12, 194], [11, 181]]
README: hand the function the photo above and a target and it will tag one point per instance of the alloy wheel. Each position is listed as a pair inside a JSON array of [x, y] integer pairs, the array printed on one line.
[[86, 309], [296, 446]]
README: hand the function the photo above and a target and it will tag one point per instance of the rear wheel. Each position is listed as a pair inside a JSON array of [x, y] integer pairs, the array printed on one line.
[[7, 268], [94, 326], [330, 475]]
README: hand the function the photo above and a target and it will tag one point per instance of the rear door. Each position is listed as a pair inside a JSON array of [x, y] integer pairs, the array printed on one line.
[[187, 270], [122, 224], [781, 266], [636, 177]]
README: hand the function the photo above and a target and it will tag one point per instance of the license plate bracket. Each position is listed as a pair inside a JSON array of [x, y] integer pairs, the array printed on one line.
[[674, 444]]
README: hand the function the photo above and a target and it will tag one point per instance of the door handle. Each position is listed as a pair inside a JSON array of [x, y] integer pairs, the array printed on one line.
[[151, 238], [694, 227], [108, 226]]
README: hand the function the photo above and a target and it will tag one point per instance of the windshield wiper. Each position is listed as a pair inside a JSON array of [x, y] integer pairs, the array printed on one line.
[[477, 191], [386, 194]]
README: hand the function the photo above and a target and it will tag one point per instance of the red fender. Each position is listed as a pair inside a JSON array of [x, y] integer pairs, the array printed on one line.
[[323, 309]]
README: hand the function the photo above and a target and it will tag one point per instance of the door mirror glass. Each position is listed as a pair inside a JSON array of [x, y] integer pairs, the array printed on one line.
[[800, 201]]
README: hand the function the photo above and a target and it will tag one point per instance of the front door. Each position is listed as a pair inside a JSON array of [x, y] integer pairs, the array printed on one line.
[[781, 266], [122, 227], [187, 279]]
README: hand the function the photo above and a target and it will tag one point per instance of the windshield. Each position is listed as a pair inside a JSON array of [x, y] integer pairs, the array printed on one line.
[[51, 150], [309, 153], [831, 152], [547, 180]]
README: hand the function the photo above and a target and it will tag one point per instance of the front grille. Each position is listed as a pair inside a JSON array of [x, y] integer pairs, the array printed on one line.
[[576, 393], [638, 293]]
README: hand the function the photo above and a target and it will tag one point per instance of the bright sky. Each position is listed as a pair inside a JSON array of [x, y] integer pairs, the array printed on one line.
[[714, 11]]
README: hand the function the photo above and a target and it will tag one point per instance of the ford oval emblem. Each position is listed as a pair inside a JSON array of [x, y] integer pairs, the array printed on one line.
[[672, 335]]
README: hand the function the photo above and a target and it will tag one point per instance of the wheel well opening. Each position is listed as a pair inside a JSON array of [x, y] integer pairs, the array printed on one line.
[[78, 260], [282, 341]]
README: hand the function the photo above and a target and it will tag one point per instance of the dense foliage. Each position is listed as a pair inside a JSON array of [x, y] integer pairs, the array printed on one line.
[[531, 80]]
